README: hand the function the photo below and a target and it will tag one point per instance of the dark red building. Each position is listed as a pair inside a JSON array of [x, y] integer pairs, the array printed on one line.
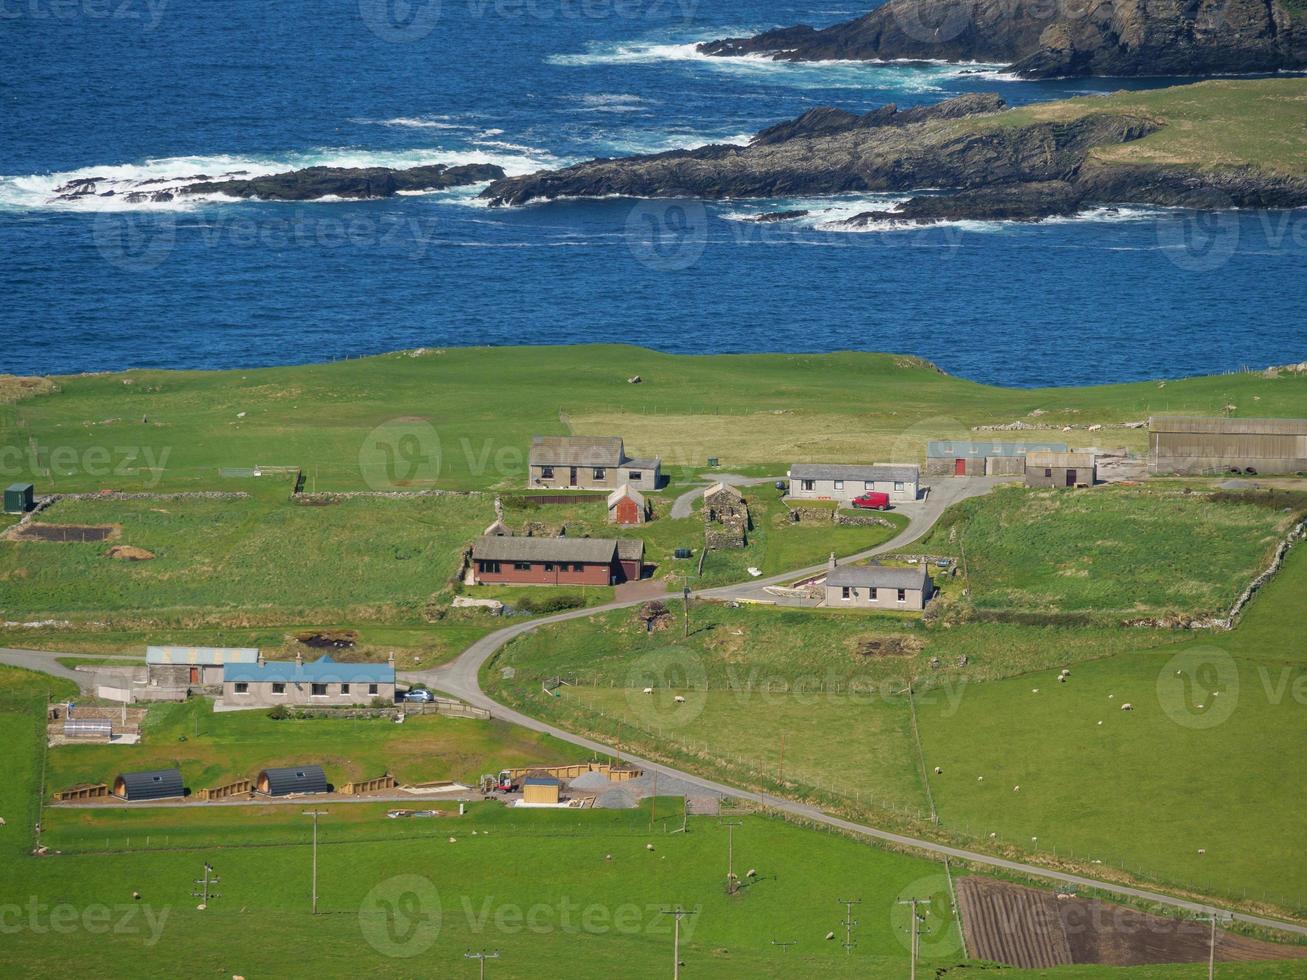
[[507, 560]]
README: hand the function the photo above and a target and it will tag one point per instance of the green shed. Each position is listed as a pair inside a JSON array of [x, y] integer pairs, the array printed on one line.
[[19, 498]]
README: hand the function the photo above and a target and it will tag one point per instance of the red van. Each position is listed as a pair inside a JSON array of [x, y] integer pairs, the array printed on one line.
[[872, 501]]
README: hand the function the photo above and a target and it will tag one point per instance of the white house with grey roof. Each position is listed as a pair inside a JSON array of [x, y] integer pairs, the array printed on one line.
[[877, 587], [843, 482], [589, 463]]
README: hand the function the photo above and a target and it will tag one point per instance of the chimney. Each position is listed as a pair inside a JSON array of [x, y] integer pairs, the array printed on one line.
[[391, 659], [299, 658], [830, 562]]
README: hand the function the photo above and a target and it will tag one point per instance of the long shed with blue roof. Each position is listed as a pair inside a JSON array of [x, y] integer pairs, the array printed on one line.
[[320, 683]]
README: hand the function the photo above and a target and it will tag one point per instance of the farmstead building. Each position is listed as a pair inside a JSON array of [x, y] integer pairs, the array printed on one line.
[[589, 463], [507, 560], [322, 683], [983, 457], [877, 587], [191, 666], [1194, 445], [842, 482], [1045, 469]]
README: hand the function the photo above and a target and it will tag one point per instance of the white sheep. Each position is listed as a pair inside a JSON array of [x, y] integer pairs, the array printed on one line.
[[1017, 788], [751, 873], [1034, 690], [1127, 707], [1062, 679], [938, 770], [648, 690], [679, 699]]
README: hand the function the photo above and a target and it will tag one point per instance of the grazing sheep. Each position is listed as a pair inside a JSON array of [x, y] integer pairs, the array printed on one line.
[[938, 770], [751, 873], [830, 935], [1127, 707], [992, 834], [1202, 850], [1034, 690], [1100, 722], [1066, 672], [1017, 788], [679, 699], [648, 847], [1062, 679], [648, 690], [980, 779]]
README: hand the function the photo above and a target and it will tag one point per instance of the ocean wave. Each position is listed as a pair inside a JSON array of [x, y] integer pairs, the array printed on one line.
[[609, 102], [1090, 215], [39, 191], [414, 122], [909, 76]]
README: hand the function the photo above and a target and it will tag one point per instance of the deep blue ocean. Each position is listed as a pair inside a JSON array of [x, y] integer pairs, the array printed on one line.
[[130, 90]]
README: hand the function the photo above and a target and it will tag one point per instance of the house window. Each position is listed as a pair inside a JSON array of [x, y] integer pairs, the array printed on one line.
[[634, 476], [319, 690], [1048, 471], [546, 472], [846, 593], [344, 689], [869, 485], [490, 567], [372, 689], [522, 566], [898, 486], [278, 688], [839, 484], [599, 472], [809, 484], [903, 595], [549, 566], [242, 687], [578, 567]]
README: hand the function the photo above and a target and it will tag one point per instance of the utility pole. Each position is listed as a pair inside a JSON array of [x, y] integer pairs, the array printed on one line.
[[206, 883], [916, 931], [685, 595], [678, 912], [785, 946], [780, 776], [315, 814], [1211, 916], [732, 883], [482, 956], [849, 921]]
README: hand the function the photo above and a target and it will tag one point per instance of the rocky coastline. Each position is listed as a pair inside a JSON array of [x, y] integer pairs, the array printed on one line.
[[1039, 40]]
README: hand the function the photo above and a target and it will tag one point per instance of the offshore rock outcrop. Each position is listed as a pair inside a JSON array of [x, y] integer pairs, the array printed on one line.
[[1047, 40]]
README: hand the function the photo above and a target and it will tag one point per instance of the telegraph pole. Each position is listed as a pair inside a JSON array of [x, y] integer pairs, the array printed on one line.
[[732, 883], [482, 956], [916, 932], [315, 814], [849, 921], [205, 893], [785, 946], [1211, 916], [678, 912], [685, 595]]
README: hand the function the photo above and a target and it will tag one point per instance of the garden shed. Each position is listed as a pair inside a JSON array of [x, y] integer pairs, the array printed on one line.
[[19, 498], [152, 784], [543, 790], [291, 779]]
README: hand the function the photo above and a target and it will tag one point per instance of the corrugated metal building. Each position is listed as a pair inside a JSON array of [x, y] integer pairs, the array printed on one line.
[[1188, 444], [1045, 469], [983, 457], [291, 779], [154, 784]]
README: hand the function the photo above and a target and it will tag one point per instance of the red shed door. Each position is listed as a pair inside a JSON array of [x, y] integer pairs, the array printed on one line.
[[959, 467]]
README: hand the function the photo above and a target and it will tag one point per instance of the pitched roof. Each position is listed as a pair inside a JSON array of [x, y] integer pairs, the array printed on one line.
[[201, 656], [576, 451], [591, 550], [877, 576], [717, 488], [961, 448], [324, 670], [630, 549], [1225, 426], [1060, 460], [626, 490], [893, 472]]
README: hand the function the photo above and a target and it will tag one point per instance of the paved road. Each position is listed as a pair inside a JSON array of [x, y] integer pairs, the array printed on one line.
[[48, 663]]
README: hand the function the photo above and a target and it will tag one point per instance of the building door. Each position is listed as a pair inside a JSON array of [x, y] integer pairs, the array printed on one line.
[[959, 467], [572, 481], [1070, 478], [195, 675]]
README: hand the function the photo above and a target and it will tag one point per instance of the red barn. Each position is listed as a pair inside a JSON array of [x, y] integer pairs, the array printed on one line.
[[504, 560]]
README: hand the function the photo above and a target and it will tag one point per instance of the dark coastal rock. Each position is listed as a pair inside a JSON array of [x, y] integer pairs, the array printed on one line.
[[779, 216], [314, 183], [1127, 38], [826, 121], [1016, 202]]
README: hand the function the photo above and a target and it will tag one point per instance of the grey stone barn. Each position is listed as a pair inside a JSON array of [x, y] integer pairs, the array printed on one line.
[[1059, 469], [193, 666], [322, 683], [589, 463], [843, 482], [878, 587]]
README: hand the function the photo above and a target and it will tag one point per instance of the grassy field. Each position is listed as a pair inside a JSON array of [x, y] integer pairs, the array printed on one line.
[[214, 748], [1216, 123], [1113, 553], [463, 418]]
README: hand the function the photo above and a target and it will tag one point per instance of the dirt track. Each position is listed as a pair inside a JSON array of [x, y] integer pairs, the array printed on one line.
[[1034, 929]]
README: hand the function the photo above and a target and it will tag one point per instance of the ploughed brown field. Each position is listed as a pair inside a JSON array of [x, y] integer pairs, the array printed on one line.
[[1034, 929]]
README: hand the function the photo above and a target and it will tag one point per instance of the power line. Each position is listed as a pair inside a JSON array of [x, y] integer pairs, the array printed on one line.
[[915, 928], [482, 956], [849, 921], [206, 884]]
